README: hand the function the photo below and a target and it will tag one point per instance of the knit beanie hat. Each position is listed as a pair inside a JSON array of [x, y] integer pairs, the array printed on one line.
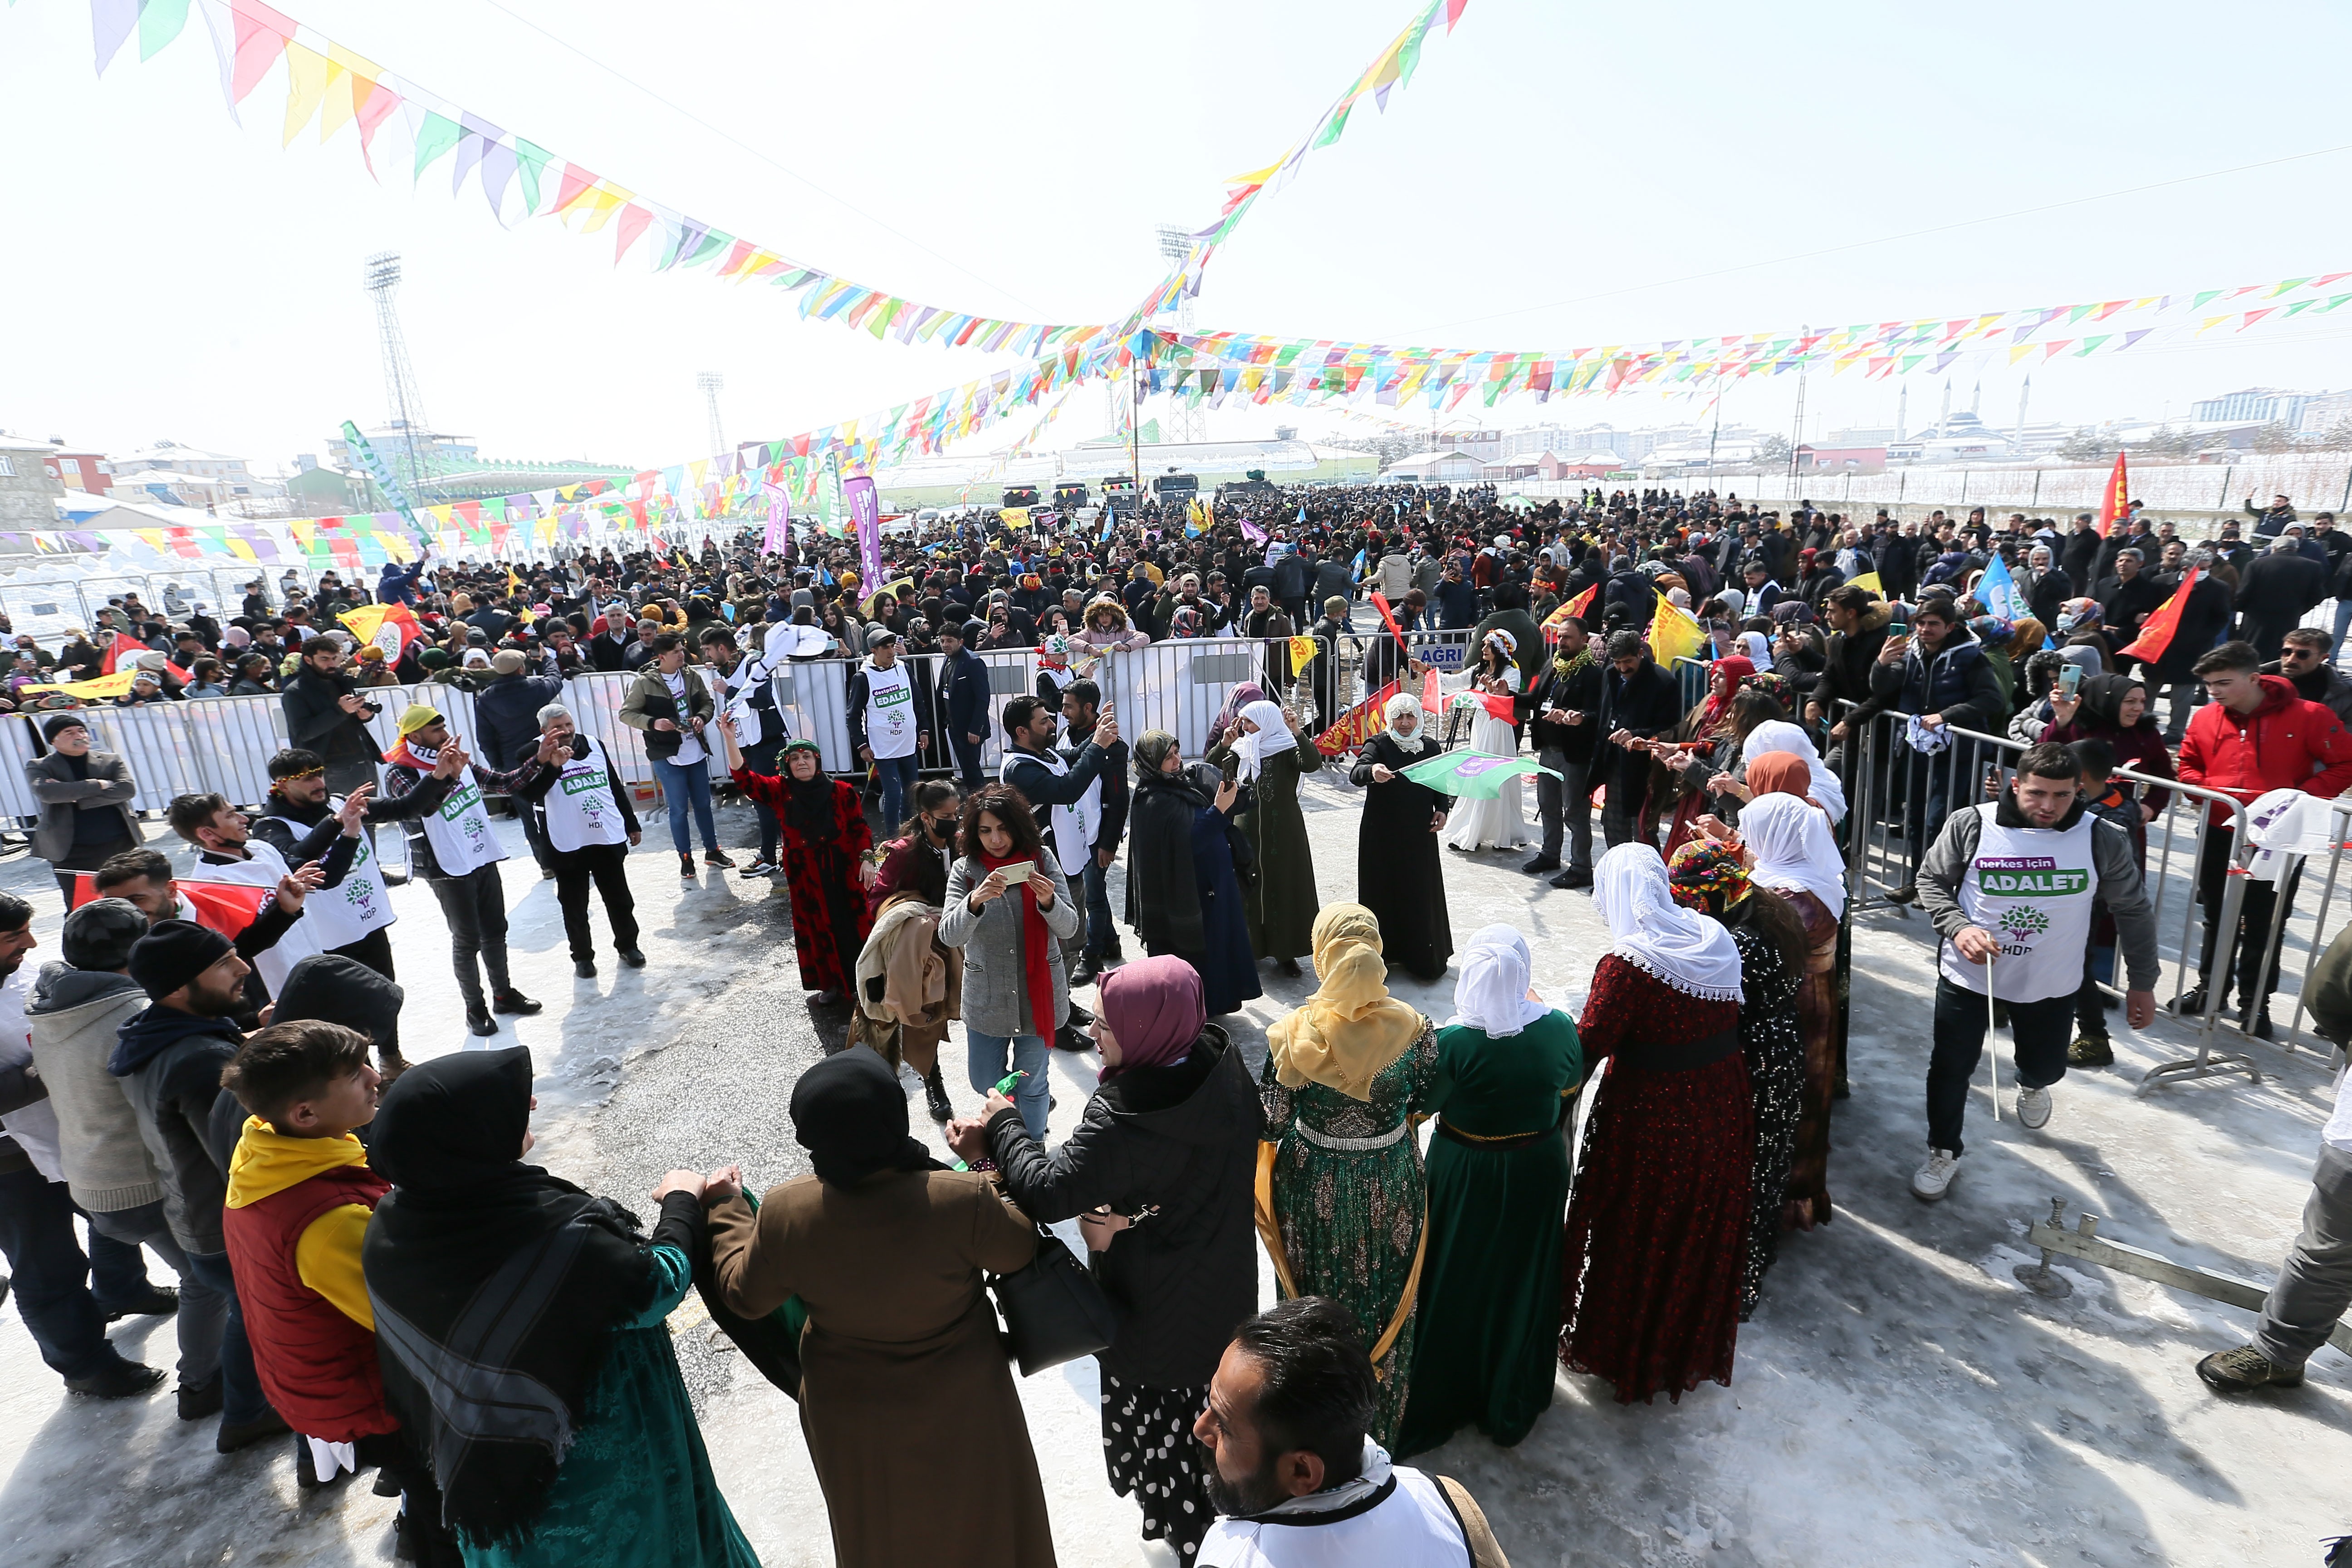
[[173, 953], [52, 728], [100, 933]]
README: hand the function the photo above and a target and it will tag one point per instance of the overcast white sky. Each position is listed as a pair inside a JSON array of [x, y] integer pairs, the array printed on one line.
[[1555, 176]]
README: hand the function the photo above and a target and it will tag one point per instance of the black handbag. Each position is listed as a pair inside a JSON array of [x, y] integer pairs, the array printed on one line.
[[1054, 1310]]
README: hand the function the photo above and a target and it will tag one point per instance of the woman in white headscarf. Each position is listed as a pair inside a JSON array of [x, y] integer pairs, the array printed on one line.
[[1498, 823], [1656, 1242], [1792, 854], [1507, 1071], [1784, 736], [1400, 876], [1268, 752]]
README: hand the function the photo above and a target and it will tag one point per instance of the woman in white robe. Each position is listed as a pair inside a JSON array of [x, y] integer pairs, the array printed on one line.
[[1500, 823]]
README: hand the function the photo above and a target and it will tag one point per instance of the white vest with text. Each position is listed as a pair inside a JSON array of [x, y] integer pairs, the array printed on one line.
[[2033, 888], [353, 907], [578, 805]]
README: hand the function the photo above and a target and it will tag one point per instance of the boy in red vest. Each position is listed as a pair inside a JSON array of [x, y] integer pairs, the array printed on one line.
[[300, 1197]]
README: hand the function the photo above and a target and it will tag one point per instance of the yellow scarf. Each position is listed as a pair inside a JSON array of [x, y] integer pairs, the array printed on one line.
[[1351, 1027]]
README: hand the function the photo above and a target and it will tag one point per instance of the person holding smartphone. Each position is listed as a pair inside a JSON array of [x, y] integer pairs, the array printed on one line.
[[1007, 909]]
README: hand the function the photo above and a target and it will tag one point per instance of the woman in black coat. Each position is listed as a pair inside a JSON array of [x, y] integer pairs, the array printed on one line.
[[1162, 1176], [1183, 893], [1400, 876]]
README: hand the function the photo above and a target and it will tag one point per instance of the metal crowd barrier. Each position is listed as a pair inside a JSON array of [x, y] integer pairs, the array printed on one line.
[[1883, 774]]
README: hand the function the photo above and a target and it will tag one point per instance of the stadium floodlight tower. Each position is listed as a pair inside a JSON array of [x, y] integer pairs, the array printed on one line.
[[710, 384], [401, 393], [1186, 421]]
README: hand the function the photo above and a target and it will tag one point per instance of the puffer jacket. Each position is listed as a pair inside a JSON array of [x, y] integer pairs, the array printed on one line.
[[171, 1063], [1958, 683], [2285, 743], [1180, 1140]]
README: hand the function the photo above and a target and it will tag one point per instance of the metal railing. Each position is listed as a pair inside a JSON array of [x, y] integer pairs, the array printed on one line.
[[1894, 792]]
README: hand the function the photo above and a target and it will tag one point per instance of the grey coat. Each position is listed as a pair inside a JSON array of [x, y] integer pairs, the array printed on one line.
[[991, 939], [61, 795], [75, 1015]]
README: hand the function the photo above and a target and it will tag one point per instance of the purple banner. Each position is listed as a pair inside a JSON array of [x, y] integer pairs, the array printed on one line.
[[866, 513]]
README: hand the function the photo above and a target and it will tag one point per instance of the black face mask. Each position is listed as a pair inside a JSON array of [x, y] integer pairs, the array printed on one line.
[[941, 830]]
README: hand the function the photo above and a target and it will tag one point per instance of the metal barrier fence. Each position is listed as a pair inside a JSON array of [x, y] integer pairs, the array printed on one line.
[[1899, 798]]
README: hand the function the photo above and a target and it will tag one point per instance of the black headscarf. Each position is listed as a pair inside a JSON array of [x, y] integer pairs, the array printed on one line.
[[808, 806], [850, 1114], [2103, 701], [477, 1262]]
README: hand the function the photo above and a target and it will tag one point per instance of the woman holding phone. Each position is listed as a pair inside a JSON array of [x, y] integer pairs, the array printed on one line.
[[1003, 911]]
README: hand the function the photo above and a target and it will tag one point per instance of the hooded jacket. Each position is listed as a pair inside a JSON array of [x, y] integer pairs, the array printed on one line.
[[1123, 636], [171, 1063], [1180, 1140], [76, 1017], [2285, 744], [296, 1211], [1956, 681]]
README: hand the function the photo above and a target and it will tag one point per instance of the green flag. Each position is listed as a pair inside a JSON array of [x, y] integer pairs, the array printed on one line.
[[1473, 776]]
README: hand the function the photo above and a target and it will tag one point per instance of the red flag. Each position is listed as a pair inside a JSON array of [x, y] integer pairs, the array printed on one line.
[[225, 907], [2114, 498], [1381, 603], [1497, 706], [124, 647], [1358, 724], [2156, 632]]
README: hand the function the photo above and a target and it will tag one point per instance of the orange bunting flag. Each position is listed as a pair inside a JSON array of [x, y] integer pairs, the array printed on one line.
[[2114, 498], [1358, 724], [2156, 632]]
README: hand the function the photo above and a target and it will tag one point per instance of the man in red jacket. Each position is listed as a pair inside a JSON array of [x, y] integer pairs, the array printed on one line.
[[2255, 735]]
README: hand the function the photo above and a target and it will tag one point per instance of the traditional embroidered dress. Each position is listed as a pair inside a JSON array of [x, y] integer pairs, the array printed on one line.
[[824, 837]]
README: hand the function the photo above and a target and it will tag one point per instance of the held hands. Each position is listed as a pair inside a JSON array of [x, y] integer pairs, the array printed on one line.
[[722, 1184], [690, 1182], [1622, 738], [1977, 945], [968, 1137]]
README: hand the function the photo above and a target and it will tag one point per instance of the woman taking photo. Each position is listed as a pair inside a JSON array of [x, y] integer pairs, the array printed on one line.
[[1159, 1175], [1340, 1198], [825, 868], [1182, 895], [1270, 753], [906, 1402], [1005, 911], [569, 1440], [1400, 874]]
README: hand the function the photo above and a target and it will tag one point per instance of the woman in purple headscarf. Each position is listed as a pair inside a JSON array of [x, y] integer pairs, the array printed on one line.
[[1160, 1175]]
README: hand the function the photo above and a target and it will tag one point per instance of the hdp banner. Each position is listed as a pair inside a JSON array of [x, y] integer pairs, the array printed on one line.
[[2156, 632], [1474, 775], [1674, 635], [1358, 724]]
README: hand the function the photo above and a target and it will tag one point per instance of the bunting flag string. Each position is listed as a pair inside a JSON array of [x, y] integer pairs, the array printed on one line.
[[335, 88]]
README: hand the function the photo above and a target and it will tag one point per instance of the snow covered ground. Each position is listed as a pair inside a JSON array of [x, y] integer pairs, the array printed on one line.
[[1899, 1399]]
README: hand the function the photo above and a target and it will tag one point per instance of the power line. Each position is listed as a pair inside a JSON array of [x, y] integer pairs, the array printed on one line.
[[1882, 240], [780, 168]]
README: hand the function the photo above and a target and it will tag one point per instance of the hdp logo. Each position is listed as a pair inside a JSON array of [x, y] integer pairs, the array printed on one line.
[[2025, 922]]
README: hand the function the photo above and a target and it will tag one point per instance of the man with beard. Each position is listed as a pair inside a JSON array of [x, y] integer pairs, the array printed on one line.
[[1062, 791], [325, 713], [1296, 1481], [356, 920], [590, 827]]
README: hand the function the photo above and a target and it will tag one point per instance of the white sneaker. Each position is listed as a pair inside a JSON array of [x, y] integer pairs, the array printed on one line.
[[1933, 1179], [2033, 1108]]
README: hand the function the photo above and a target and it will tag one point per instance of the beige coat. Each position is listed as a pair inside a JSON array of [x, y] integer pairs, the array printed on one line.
[[907, 1401], [921, 982]]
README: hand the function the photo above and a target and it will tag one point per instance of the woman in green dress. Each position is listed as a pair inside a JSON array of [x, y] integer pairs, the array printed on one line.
[[1507, 1070], [569, 1438], [1271, 753], [1340, 1197]]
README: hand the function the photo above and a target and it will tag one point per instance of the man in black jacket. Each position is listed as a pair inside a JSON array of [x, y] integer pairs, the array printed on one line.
[[326, 714], [1289, 585], [506, 722], [962, 688], [1056, 788], [1638, 701], [2276, 592], [1858, 625], [2128, 597], [1561, 708], [1081, 709]]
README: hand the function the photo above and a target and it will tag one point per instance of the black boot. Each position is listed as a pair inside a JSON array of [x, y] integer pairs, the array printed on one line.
[[935, 1093]]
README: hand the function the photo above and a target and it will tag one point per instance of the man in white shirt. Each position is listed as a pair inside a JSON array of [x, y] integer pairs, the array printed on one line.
[[1297, 1483]]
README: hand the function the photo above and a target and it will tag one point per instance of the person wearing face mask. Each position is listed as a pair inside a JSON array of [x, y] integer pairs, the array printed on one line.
[[1400, 876]]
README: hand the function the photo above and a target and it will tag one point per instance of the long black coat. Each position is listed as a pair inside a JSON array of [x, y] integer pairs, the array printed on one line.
[[1179, 1139], [2274, 594]]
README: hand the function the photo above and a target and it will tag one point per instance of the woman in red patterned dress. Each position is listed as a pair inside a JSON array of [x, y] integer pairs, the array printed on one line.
[[826, 867], [1658, 1227]]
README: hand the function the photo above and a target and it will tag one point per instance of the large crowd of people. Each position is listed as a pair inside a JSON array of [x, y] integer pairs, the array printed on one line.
[[367, 1261]]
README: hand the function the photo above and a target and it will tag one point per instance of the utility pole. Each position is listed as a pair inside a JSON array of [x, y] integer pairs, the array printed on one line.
[[401, 392], [1797, 437], [710, 382]]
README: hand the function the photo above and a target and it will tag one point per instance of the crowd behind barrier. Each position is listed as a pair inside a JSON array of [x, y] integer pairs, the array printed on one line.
[[1876, 765]]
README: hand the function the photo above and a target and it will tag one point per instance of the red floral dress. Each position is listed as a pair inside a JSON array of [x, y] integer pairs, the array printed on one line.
[[830, 920], [1657, 1229]]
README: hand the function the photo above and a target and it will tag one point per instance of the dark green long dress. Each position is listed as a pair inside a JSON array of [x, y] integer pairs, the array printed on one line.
[[1281, 901], [1489, 1317], [1351, 1217]]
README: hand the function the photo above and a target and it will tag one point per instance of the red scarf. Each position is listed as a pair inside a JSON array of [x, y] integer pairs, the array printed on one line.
[[1037, 947], [400, 756]]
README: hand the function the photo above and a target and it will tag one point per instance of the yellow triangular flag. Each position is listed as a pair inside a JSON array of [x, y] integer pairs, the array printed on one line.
[[1869, 580]]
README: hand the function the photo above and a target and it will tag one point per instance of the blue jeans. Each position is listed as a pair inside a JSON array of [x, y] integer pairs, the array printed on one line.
[[241, 1396], [203, 1317], [50, 1275], [1102, 937], [984, 1056], [2343, 622], [898, 775], [679, 786]]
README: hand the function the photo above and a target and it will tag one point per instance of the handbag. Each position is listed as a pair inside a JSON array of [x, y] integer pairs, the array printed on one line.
[[1054, 1310]]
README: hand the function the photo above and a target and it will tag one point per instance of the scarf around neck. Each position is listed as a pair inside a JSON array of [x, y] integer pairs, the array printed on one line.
[[1037, 945]]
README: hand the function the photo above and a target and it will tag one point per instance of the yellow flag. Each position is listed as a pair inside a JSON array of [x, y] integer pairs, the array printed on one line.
[[514, 583], [1301, 650], [1869, 580], [1015, 517], [115, 685], [1674, 635], [363, 621]]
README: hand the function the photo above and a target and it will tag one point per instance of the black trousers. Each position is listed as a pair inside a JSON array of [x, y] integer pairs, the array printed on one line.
[[52, 1274], [1565, 805], [348, 775], [2040, 1030], [476, 908], [607, 866], [967, 757], [2250, 944], [375, 950]]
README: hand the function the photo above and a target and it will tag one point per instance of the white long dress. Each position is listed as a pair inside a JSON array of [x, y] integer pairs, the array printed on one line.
[[1496, 824]]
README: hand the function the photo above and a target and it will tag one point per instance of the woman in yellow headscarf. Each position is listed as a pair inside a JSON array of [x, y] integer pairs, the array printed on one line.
[[1340, 1195]]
